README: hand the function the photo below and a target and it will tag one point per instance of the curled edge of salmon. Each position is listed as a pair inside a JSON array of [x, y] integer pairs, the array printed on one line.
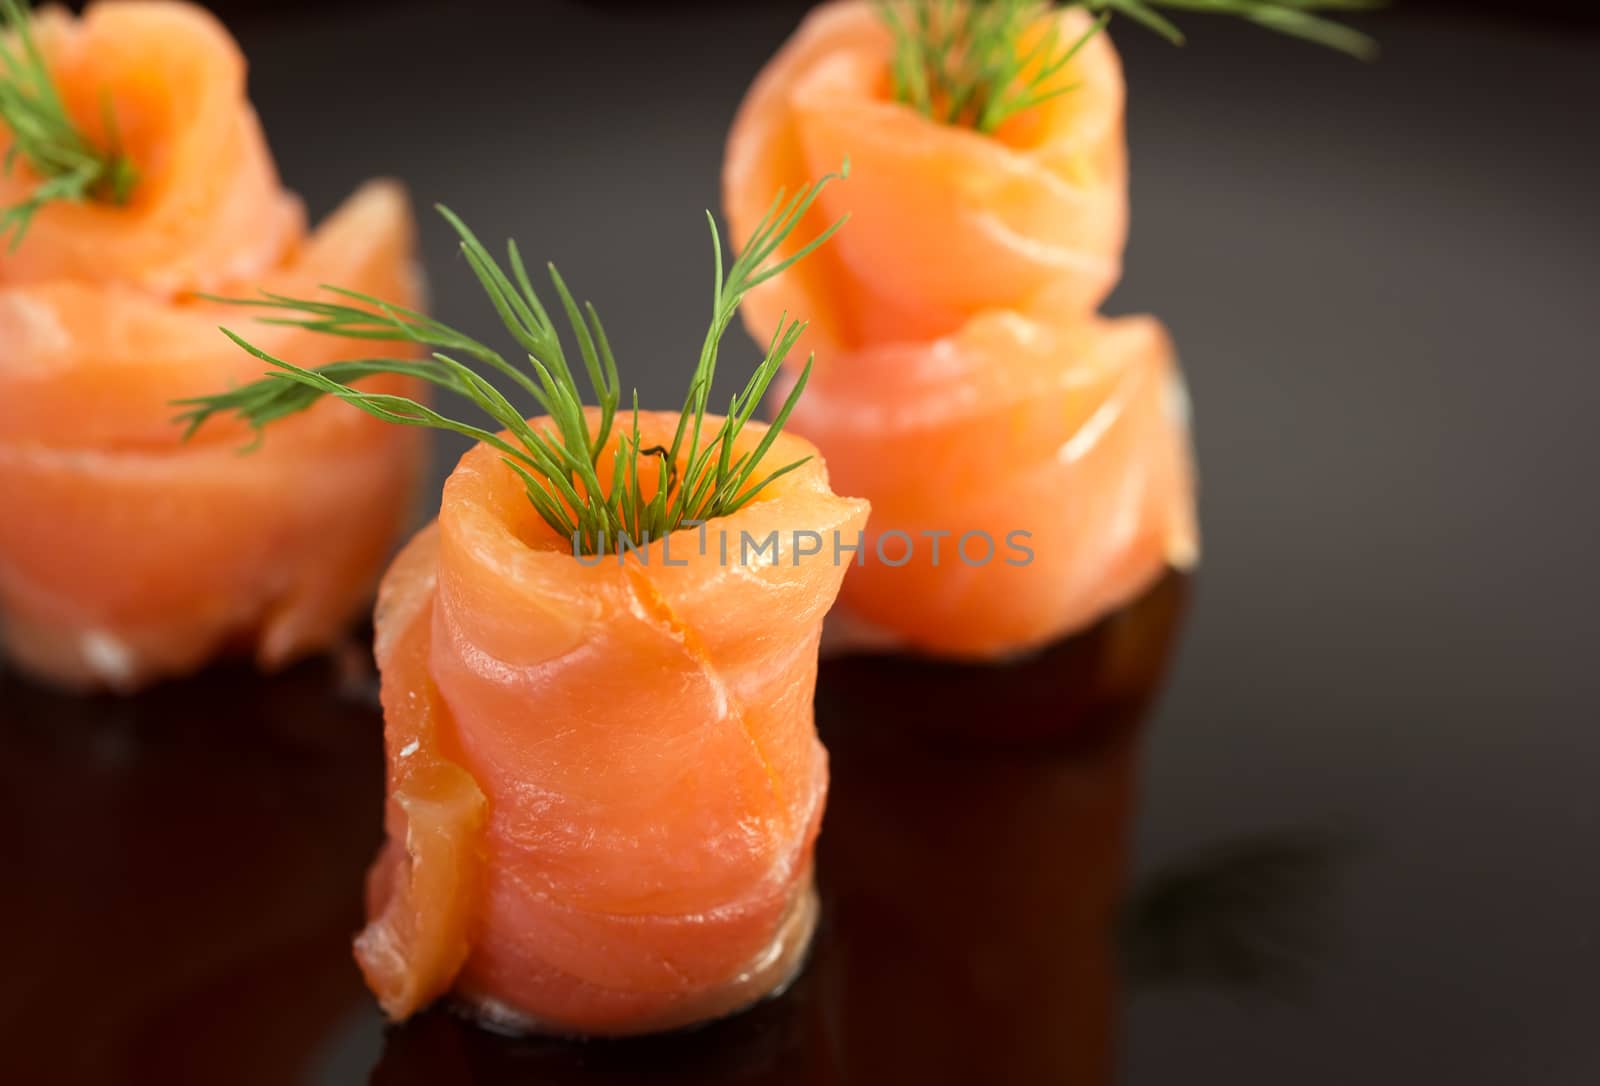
[[415, 945], [423, 893]]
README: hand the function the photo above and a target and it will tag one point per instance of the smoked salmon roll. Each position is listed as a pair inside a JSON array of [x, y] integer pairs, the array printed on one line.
[[125, 555], [569, 852], [597, 670], [1029, 462]]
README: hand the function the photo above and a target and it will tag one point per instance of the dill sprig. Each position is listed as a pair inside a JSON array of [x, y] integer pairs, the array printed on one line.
[[697, 477], [44, 136], [961, 61]]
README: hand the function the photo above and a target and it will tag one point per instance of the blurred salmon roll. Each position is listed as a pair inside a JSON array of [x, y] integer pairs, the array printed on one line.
[[126, 556], [1028, 462]]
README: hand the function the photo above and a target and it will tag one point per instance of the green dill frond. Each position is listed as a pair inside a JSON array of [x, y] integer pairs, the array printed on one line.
[[697, 478], [962, 62], [44, 136]]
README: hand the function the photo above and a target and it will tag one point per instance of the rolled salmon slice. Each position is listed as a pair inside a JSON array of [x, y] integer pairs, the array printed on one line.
[[945, 222], [642, 855], [1026, 479], [1028, 462], [125, 556]]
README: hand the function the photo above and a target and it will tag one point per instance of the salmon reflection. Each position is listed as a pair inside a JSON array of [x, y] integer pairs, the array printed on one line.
[[971, 864], [974, 885], [191, 861]]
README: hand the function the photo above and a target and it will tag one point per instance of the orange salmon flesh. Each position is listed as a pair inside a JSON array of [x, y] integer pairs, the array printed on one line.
[[126, 555], [604, 780], [961, 380]]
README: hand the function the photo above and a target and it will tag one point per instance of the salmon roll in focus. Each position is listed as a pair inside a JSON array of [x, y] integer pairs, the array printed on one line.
[[127, 556], [570, 851], [598, 665]]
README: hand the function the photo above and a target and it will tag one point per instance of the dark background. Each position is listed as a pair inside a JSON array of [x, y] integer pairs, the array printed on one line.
[[1382, 283]]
